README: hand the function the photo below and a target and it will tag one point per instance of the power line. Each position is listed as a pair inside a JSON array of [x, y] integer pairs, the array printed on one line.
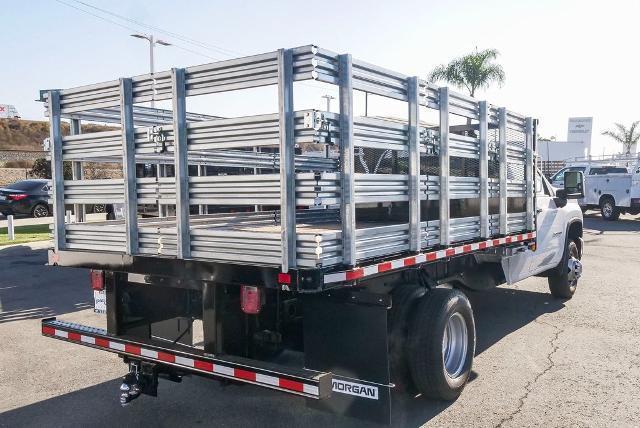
[[98, 16], [161, 30], [135, 30], [219, 49]]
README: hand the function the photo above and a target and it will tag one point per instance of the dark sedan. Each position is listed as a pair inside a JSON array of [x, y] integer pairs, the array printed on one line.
[[26, 197]]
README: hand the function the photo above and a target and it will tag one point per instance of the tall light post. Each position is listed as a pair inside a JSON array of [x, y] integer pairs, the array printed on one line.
[[329, 98], [152, 42]]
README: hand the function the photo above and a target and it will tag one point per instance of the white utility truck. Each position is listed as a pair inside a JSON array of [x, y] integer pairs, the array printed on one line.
[[354, 266], [611, 187]]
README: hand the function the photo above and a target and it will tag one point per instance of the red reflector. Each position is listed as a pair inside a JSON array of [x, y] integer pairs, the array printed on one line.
[[245, 374], [103, 343], [203, 365], [355, 274], [132, 349], [291, 384], [284, 278], [17, 197], [97, 279], [383, 267], [250, 301]]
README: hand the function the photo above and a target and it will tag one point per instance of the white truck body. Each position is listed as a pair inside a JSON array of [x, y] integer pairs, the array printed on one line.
[[613, 189]]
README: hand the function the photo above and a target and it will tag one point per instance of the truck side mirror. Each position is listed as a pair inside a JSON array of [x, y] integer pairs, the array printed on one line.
[[573, 185]]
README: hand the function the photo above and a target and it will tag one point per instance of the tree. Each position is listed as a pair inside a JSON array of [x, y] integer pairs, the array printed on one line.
[[472, 71], [42, 169], [628, 137]]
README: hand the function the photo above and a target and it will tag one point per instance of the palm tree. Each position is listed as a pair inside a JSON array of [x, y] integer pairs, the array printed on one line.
[[472, 71], [628, 137]]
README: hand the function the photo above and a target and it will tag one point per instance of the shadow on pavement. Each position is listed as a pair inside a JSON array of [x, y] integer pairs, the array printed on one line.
[[623, 224], [199, 401], [29, 289]]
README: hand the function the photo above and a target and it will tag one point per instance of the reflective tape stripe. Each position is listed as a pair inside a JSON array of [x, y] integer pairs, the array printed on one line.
[[203, 365], [269, 380], [233, 372], [310, 389], [364, 271], [370, 270], [61, 333], [184, 361], [291, 384], [244, 374], [115, 345], [227, 371], [149, 353], [132, 349], [88, 339]]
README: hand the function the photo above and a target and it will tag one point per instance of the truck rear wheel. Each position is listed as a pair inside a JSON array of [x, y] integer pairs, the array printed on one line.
[[442, 342], [608, 209], [563, 283]]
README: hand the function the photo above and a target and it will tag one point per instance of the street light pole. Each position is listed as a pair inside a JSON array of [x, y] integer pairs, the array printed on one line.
[[329, 98], [151, 62], [152, 43]]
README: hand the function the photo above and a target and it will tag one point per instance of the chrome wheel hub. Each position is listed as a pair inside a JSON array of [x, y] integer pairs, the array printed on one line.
[[607, 209], [454, 345], [575, 270]]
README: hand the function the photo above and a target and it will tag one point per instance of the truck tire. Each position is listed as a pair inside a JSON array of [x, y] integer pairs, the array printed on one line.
[[403, 300], [608, 209], [564, 281], [442, 342]]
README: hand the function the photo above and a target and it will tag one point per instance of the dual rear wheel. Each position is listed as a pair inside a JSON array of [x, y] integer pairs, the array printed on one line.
[[439, 344]]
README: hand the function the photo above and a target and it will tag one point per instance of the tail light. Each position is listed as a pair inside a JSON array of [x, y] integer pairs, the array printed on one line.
[[16, 197], [250, 300], [97, 279]]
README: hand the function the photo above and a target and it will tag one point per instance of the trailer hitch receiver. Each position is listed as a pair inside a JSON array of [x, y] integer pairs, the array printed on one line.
[[141, 379]]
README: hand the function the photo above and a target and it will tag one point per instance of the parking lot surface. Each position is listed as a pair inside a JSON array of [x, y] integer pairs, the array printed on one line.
[[539, 361]]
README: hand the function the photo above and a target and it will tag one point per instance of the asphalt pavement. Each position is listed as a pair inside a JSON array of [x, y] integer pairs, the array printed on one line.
[[540, 361]]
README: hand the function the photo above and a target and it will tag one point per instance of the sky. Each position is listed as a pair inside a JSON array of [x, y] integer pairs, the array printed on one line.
[[561, 58]]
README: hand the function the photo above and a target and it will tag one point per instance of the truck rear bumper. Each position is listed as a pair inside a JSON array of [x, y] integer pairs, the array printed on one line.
[[306, 383]]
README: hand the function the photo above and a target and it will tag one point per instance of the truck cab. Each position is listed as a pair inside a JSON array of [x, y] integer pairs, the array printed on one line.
[[559, 225]]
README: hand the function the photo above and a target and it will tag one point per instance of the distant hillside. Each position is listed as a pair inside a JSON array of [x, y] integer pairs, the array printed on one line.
[[27, 135]]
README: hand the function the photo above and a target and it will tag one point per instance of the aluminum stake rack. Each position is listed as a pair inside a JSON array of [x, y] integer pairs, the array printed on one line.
[[449, 184]]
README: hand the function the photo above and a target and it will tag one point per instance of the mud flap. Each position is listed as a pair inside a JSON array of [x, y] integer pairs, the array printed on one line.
[[345, 333]]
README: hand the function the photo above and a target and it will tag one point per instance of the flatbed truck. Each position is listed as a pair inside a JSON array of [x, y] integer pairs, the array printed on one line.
[[357, 261]]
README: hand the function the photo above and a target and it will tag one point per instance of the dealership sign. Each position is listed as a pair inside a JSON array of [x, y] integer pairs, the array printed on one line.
[[580, 130]]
